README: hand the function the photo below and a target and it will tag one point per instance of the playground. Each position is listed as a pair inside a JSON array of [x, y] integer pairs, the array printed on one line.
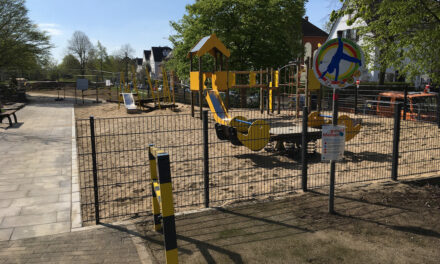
[[235, 154], [236, 172]]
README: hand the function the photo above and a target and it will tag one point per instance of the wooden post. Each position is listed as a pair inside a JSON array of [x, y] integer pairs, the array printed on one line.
[[190, 91], [306, 86], [200, 88], [261, 92], [270, 94], [279, 92], [227, 83], [267, 83]]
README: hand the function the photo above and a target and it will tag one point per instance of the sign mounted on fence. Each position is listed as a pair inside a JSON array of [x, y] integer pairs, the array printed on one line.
[[337, 63], [82, 84], [333, 143], [108, 83]]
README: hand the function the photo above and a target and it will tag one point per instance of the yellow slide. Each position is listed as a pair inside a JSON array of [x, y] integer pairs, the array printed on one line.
[[254, 135]]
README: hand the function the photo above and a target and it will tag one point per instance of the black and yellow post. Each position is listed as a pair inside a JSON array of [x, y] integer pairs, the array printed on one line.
[[163, 201]]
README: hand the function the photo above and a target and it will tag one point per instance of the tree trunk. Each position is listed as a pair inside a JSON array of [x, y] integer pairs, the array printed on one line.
[[381, 77]]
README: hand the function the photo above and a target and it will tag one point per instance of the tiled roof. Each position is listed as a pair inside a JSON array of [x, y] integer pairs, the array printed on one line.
[[147, 54], [159, 53], [310, 30]]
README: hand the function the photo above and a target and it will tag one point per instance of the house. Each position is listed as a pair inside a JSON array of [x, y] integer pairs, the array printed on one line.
[[158, 54], [312, 37], [138, 63], [371, 72], [146, 58]]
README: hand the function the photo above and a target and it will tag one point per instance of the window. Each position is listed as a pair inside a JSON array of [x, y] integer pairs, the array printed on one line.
[[348, 33]]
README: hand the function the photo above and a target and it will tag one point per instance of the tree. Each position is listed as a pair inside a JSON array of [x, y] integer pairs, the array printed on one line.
[[81, 47], [22, 45], [125, 57], [405, 32], [101, 54], [259, 33], [68, 66]]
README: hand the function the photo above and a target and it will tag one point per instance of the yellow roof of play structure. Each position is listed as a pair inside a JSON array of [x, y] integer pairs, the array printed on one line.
[[209, 44]]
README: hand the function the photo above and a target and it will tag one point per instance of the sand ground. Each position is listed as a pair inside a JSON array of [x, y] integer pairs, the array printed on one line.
[[235, 173]]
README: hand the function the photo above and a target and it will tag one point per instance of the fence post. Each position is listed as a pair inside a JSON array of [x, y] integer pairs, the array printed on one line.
[[304, 142], [438, 110], [205, 157], [405, 101], [396, 139], [95, 170], [331, 200]]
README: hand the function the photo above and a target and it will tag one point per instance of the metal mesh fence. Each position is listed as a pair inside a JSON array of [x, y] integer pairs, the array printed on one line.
[[231, 172], [419, 150]]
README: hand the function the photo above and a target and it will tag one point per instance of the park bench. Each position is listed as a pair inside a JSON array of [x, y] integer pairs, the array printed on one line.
[[15, 106], [8, 114], [6, 111]]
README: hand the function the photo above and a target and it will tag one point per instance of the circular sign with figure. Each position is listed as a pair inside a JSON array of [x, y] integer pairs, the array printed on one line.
[[337, 63]]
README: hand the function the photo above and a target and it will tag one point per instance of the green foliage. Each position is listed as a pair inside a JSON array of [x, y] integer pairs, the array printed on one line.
[[405, 32], [101, 55], [69, 67], [259, 33], [22, 44]]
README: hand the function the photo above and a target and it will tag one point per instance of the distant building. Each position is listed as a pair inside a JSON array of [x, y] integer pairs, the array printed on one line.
[[351, 32], [158, 54], [138, 62], [311, 37], [146, 59]]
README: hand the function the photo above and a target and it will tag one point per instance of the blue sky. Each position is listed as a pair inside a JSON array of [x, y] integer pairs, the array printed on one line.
[[140, 23]]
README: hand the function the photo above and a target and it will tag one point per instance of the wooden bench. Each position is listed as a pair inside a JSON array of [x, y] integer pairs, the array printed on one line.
[[16, 106], [8, 114]]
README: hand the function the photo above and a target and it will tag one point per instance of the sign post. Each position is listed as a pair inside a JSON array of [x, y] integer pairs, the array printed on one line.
[[356, 92], [82, 85], [337, 65]]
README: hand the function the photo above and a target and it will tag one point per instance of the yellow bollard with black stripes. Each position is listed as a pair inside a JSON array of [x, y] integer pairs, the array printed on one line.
[[162, 200]]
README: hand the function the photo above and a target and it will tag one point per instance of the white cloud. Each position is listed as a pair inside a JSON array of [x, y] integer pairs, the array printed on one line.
[[52, 29]]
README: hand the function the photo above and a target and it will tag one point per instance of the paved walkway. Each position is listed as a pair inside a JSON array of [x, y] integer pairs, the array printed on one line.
[[36, 172], [96, 245], [39, 195]]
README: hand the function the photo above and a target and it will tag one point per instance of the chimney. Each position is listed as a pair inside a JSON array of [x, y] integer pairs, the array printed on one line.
[[306, 18]]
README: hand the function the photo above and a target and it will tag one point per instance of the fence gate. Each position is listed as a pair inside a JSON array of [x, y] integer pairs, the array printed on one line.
[[113, 167]]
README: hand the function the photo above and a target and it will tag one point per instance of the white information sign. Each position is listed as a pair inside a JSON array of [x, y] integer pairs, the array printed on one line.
[[333, 142], [108, 83], [82, 84]]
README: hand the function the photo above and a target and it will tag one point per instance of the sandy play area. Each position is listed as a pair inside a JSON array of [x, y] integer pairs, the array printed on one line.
[[236, 173]]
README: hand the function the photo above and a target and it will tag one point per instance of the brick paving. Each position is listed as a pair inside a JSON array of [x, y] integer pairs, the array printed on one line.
[[36, 172], [39, 195], [97, 245]]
